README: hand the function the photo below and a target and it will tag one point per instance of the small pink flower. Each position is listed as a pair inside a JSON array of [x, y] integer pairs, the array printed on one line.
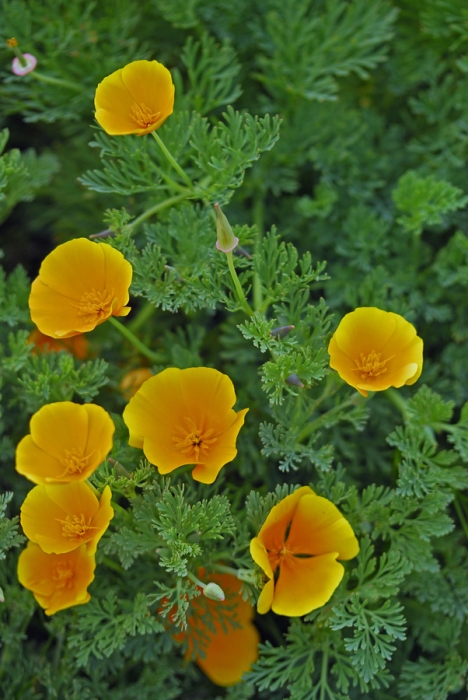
[[18, 69]]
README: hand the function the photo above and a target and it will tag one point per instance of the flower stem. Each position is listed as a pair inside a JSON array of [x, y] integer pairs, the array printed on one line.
[[240, 292], [157, 207], [143, 315], [397, 400], [258, 216], [247, 575], [131, 337], [324, 676], [322, 420], [461, 515], [173, 161], [57, 81]]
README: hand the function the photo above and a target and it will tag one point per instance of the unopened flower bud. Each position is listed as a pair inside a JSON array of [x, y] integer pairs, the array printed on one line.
[[281, 332], [214, 592], [294, 380], [24, 62], [2, 597], [227, 241]]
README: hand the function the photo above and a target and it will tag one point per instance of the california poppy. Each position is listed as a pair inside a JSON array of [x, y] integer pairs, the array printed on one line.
[[58, 581], [66, 443], [63, 517], [373, 350], [80, 285], [185, 416], [135, 99], [297, 548], [229, 644]]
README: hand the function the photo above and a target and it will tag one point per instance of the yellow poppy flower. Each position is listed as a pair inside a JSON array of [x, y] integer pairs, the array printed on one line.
[[67, 443], [61, 518], [80, 285], [58, 581], [228, 652], [185, 416], [297, 548], [78, 345], [373, 350], [135, 99]]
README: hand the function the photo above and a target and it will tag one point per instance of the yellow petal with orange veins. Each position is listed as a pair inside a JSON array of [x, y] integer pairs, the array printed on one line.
[[305, 584], [273, 531], [318, 528]]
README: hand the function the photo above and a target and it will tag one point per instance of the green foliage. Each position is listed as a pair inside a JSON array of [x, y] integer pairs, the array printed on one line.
[[306, 51], [107, 625], [425, 201], [9, 535], [22, 175], [348, 135]]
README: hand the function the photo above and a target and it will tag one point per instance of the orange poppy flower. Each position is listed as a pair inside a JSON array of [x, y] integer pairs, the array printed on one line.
[[67, 443], [133, 380], [80, 285], [297, 548], [228, 651], [185, 416], [135, 99], [61, 518], [373, 350], [58, 581], [77, 345]]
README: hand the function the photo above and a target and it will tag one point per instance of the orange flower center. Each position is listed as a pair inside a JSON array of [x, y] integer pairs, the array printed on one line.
[[143, 116], [74, 462], [96, 304], [192, 440], [75, 527], [63, 574], [372, 365]]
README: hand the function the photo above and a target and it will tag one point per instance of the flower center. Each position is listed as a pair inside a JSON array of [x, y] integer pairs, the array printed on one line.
[[96, 304], [63, 574], [75, 528], [143, 116], [74, 462], [192, 440], [372, 365]]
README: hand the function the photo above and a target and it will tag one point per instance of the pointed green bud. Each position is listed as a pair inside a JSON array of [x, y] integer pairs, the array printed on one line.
[[227, 241], [214, 592]]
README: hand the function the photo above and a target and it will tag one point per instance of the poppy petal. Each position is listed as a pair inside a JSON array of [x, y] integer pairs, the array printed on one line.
[[295, 593], [318, 527]]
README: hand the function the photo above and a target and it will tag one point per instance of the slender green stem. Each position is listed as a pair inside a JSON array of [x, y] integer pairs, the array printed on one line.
[[397, 400], [258, 217], [461, 515], [173, 161], [143, 315], [322, 420], [196, 580], [57, 81], [158, 207], [242, 574], [324, 676], [131, 337], [238, 286], [111, 564]]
